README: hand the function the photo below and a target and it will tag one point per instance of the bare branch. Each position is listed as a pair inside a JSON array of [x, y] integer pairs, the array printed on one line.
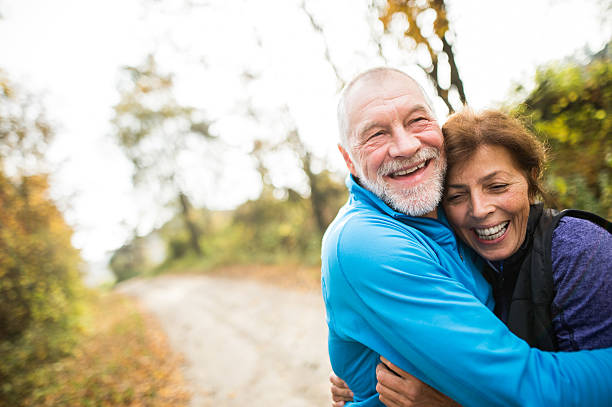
[[317, 27]]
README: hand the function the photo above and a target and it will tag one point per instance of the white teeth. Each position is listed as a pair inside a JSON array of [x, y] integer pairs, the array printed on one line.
[[410, 171], [493, 232]]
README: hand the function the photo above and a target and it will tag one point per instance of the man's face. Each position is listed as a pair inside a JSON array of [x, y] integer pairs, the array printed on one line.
[[395, 144]]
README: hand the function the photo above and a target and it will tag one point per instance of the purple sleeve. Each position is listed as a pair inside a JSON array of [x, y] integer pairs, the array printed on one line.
[[582, 275]]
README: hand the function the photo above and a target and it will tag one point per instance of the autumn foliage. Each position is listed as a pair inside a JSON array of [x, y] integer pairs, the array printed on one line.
[[571, 110], [39, 283], [123, 359], [61, 345]]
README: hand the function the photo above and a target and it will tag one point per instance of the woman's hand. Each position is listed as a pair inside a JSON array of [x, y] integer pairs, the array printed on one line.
[[340, 391], [398, 388]]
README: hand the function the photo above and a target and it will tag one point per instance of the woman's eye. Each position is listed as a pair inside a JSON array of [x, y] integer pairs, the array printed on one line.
[[453, 198], [498, 187]]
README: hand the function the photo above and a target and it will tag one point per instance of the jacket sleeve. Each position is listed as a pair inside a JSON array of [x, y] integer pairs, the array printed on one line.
[[582, 275], [420, 316]]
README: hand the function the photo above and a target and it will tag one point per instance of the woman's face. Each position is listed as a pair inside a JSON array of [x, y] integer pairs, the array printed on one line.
[[487, 202]]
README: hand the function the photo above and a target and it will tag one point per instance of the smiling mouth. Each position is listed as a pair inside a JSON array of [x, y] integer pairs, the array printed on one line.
[[409, 171], [493, 232]]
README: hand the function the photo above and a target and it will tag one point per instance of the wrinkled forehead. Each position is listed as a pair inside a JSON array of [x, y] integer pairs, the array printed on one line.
[[381, 85], [370, 94]]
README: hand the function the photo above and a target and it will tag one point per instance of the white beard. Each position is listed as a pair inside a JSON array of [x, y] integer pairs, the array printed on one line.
[[418, 200]]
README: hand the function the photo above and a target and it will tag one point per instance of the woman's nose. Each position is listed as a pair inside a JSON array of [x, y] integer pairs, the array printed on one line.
[[480, 206]]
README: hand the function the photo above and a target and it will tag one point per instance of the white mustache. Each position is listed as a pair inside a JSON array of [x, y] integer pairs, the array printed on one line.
[[391, 166]]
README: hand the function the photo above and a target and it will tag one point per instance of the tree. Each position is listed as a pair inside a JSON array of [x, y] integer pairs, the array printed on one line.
[[39, 268], [129, 260], [326, 194], [437, 42], [154, 130], [571, 110], [24, 131]]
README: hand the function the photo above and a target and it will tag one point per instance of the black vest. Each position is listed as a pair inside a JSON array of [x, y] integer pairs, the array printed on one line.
[[524, 289]]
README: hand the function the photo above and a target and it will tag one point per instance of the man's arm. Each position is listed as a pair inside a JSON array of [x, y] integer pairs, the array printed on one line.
[[422, 316]]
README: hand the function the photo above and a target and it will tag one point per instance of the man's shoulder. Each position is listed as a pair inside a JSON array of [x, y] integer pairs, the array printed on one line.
[[358, 225], [369, 236]]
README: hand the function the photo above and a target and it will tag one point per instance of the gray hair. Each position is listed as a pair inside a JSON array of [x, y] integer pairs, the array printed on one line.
[[374, 73]]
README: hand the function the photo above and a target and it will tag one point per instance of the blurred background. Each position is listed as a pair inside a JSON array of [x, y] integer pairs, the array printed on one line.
[[140, 137]]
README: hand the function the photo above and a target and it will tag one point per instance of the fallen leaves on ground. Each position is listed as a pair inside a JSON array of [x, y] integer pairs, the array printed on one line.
[[124, 360]]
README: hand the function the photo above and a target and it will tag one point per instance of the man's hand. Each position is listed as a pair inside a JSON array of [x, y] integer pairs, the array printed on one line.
[[398, 388], [340, 391]]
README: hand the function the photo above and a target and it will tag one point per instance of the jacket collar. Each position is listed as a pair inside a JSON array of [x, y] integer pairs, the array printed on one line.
[[430, 227], [535, 212]]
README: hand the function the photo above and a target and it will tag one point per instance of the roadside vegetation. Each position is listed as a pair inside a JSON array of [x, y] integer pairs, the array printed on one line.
[[121, 358], [62, 344]]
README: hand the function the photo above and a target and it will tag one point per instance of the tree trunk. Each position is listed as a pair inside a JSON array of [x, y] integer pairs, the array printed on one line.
[[192, 228], [316, 195]]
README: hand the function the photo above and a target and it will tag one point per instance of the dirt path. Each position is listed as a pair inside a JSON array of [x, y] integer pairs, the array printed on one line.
[[244, 342]]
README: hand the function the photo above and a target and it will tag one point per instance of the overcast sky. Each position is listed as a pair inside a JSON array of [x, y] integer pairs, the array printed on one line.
[[70, 52]]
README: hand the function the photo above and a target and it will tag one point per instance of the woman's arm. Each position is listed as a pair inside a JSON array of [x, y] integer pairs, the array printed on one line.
[[582, 277], [396, 388]]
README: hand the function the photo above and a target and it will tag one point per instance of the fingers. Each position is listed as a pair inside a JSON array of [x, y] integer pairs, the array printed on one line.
[[339, 394], [340, 391], [391, 398], [406, 390], [336, 381], [394, 368], [408, 386]]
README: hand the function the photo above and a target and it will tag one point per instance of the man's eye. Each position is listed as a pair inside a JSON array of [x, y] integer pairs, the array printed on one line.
[[378, 133]]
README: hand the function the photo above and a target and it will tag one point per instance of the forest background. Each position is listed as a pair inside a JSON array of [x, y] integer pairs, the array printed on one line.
[[245, 178]]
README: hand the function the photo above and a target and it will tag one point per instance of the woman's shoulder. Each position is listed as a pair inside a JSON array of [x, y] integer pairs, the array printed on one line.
[[582, 276], [579, 244], [572, 234]]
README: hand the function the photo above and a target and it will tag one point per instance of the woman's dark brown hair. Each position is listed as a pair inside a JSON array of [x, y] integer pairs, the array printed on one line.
[[466, 131]]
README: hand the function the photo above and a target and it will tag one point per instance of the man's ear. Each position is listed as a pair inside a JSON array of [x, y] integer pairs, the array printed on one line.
[[347, 159]]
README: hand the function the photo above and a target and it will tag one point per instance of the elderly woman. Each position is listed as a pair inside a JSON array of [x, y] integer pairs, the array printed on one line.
[[551, 272]]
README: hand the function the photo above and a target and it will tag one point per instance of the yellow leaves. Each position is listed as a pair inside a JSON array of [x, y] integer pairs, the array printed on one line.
[[559, 185], [39, 281], [285, 230], [5, 86], [600, 114], [124, 360], [412, 10]]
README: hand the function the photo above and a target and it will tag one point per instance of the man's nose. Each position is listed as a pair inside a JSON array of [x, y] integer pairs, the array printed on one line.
[[480, 206], [404, 144]]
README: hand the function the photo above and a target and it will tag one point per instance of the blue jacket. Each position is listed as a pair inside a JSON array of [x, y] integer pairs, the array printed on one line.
[[403, 287]]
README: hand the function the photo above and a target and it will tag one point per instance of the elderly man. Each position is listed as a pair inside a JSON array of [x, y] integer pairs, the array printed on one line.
[[397, 283]]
